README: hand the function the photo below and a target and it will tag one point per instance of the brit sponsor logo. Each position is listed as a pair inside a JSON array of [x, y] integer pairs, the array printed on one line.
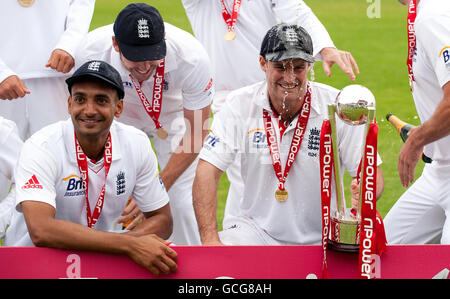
[[445, 54], [211, 140], [74, 186], [258, 138]]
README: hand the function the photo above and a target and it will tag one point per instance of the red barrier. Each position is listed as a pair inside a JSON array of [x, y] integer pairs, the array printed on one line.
[[242, 262]]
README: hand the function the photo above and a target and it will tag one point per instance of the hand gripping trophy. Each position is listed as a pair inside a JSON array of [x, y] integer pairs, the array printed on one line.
[[347, 229]]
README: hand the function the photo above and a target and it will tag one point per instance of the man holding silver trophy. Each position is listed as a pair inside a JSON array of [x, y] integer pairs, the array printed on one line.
[[276, 126]]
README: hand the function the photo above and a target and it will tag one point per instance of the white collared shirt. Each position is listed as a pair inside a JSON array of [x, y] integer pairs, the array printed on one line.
[[239, 128], [48, 172]]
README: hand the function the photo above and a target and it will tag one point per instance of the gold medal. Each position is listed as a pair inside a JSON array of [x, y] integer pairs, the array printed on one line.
[[281, 195], [161, 133], [230, 35], [26, 3]]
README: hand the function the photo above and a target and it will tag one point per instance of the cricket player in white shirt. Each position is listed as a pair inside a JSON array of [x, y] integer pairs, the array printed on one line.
[[74, 178], [168, 91], [231, 32], [422, 213], [10, 145], [295, 109]]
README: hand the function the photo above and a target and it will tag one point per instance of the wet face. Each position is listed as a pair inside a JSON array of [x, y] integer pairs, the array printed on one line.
[[93, 105], [140, 70], [286, 82]]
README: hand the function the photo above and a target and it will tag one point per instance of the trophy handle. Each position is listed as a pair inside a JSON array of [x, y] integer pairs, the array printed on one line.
[[337, 165]]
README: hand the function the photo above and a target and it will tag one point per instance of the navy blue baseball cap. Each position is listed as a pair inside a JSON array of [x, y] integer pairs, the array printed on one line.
[[287, 41], [139, 31], [100, 70]]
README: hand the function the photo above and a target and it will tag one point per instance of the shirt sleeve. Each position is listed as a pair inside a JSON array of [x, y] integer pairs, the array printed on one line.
[[297, 12], [10, 144], [190, 4], [36, 175], [198, 87], [77, 25], [223, 141], [434, 32], [5, 71], [149, 191]]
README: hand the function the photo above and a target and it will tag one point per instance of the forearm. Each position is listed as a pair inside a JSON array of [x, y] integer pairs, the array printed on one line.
[[197, 126], [204, 193], [63, 234], [159, 223], [178, 163]]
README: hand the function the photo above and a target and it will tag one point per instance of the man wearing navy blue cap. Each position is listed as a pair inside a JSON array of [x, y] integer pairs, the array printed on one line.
[[74, 178], [168, 90]]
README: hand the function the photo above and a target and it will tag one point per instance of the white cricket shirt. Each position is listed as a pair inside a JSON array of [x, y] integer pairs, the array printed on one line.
[[431, 67], [239, 128], [236, 64], [30, 34], [47, 171], [187, 79]]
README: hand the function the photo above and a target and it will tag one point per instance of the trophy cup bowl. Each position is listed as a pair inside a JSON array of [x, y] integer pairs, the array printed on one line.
[[355, 105]]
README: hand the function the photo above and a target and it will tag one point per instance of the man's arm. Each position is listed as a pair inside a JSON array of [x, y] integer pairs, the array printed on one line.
[[149, 251], [197, 125], [204, 191], [437, 127], [157, 222]]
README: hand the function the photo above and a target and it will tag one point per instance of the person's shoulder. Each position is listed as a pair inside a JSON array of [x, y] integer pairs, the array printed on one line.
[[183, 44], [49, 140], [6, 125], [324, 90], [244, 100], [97, 41], [129, 134]]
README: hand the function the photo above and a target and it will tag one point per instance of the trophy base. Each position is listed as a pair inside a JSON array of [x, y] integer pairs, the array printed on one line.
[[342, 247], [344, 234]]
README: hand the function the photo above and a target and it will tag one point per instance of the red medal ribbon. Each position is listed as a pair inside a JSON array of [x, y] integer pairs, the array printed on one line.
[[295, 143], [230, 20], [154, 109], [373, 237], [412, 14], [326, 171], [83, 167]]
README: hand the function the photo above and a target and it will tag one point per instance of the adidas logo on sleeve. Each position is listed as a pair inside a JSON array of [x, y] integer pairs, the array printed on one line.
[[32, 183]]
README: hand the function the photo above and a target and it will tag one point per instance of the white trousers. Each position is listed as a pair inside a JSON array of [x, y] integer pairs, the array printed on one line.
[[422, 213]]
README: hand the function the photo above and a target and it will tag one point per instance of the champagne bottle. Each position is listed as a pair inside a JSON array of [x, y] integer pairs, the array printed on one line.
[[403, 128]]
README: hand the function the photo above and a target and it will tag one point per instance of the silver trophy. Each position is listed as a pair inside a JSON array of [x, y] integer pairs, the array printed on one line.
[[355, 105]]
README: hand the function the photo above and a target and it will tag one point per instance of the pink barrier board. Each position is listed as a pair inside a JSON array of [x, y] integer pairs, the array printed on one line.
[[240, 262]]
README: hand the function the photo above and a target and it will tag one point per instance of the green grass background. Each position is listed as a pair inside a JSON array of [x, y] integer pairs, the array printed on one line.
[[379, 46]]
